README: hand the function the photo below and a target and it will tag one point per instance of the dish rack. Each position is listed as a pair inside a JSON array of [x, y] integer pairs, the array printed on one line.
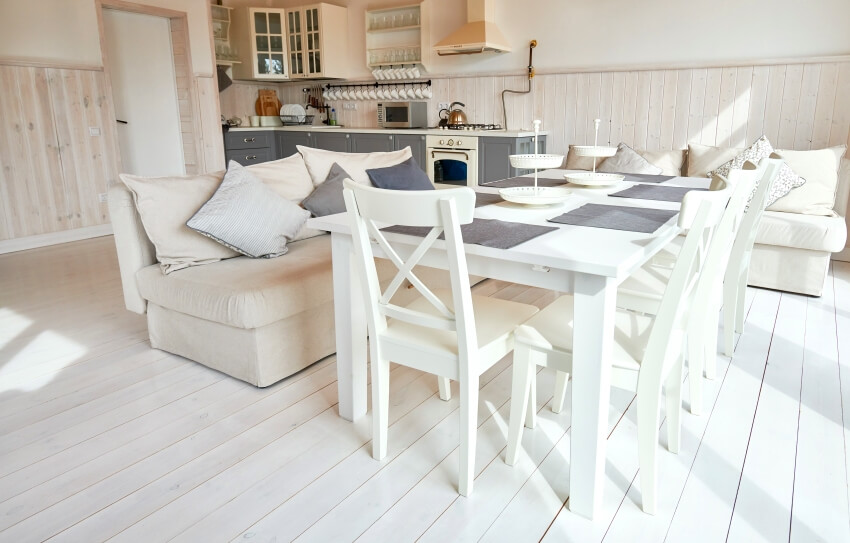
[[291, 120]]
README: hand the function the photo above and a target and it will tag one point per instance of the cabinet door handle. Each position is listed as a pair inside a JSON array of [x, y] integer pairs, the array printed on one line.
[[347, 136], [391, 137], [466, 155], [251, 157], [248, 140]]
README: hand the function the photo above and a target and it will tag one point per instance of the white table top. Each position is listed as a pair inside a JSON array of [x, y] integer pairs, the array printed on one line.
[[597, 251]]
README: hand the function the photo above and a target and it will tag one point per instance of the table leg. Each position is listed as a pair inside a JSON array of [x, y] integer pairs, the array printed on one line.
[[350, 321], [595, 306]]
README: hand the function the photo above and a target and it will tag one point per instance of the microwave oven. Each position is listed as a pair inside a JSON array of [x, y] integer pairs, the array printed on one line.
[[402, 114]]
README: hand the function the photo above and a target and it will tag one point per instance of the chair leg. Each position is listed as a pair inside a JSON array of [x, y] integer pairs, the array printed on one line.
[[561, 380], [523, 382], [445, 388], [710, 345], [740, 303], [673, 394], [647, 416], [468, 432], [380, 406], [531, 410], [696, 365], [729, 309]]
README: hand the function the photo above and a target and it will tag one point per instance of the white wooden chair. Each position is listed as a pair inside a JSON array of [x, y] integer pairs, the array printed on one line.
[[450, 333], [644, 289], [648, 353], [735, 280]]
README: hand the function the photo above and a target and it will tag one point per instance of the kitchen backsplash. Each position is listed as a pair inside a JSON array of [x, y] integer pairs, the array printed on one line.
[[793, 104]]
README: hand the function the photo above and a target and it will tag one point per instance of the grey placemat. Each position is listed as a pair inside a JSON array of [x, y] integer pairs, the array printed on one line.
[[486, 199], [486, 232], [524, 182], [633, 219], [651, 192], [647, 177]]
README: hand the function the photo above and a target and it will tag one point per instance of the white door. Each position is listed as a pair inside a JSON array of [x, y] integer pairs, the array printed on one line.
[[144, 89]]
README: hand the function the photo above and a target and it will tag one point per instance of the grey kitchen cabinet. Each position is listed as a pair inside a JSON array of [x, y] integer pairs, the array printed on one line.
[[372, 143], [287, 142], [249, 147], [332, 141], [416, 142], [493, 153]]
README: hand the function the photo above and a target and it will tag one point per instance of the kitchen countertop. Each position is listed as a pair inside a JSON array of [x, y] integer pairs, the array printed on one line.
[[415, 131]]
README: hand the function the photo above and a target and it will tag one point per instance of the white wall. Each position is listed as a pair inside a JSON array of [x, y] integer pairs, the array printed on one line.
[[65, 31], [621, 33]]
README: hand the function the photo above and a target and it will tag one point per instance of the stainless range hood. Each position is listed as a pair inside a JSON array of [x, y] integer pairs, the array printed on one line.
[[479, 35]]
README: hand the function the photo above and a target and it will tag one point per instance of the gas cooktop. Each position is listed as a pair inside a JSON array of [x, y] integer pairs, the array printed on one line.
[[472, 127]]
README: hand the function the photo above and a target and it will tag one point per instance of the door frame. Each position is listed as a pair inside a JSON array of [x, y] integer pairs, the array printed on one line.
[[188, 108]]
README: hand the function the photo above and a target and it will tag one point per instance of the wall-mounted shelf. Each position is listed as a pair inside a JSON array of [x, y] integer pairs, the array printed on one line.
[[398, 29]]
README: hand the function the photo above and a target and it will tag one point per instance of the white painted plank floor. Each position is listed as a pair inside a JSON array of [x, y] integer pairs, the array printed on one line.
[[104, 438]]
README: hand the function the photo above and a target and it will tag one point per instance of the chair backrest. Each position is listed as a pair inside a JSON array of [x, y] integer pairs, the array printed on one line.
[[443, 211], [671, 318], [742, 247]]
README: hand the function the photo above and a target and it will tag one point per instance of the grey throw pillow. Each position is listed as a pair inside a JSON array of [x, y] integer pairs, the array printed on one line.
[[405, 176], [327, 198], [627, 160], [249, 217]]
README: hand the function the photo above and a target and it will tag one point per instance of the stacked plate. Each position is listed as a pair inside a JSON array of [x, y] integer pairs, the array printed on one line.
[[293, 113]]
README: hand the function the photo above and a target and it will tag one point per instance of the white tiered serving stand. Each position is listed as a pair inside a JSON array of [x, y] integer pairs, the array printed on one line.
[[535, 195], [594, 178]]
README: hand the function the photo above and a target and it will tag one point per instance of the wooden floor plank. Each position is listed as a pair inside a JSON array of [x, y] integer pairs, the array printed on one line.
[[819, 509], [841, 281], [762, 509]]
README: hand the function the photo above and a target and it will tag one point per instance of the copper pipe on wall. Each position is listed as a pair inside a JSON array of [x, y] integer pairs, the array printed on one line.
[[531, 47]]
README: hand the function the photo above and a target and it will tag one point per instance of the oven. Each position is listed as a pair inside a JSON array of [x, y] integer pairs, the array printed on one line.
[[452, 159]]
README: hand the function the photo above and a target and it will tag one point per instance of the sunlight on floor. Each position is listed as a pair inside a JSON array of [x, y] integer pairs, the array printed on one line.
[[36, 364], [11, 325]]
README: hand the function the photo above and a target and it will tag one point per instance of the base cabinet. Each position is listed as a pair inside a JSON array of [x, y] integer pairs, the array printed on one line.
[[332, 141], [248, 148], [493, 153], [416, 142], [287, 142], [372, 143]]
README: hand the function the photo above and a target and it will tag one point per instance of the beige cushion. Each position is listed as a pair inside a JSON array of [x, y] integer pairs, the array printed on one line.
[[246, 292], [670, 162], [802, 231], [164, 205], [577, 162], [319, 162], [820, 170], [626, 160], [704, 158], [288, 177]]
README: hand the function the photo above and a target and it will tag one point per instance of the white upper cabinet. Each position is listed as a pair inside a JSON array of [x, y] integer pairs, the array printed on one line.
[[317, 38], [261, 39]]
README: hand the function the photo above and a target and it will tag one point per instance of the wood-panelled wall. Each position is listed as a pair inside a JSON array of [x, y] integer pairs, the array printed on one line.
[[51, 168], [798, 106]]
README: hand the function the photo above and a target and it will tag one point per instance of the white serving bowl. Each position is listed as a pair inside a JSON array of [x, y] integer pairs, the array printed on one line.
[[540, 162]]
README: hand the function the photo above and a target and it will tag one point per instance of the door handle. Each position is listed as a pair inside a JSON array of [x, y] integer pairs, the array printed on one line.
[[248, 140], [120, 121], [465, 155], [251, 157]]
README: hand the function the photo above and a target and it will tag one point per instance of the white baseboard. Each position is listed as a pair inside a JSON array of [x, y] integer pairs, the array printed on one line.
[[54, 238], [843, 256]]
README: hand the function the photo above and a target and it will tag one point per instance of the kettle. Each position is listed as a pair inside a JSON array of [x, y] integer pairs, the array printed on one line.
[[455, 117]]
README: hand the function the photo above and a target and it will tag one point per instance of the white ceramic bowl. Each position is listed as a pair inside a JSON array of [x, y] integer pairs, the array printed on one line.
[[539, 196], [541, 162], [593, 150], [591, 179]]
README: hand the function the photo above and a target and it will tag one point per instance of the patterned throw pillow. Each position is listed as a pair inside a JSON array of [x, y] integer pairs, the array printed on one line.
[[249, 217], [785, 182]]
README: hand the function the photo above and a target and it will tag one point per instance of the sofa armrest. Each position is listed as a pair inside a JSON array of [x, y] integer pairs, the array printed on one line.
[[135, 250]]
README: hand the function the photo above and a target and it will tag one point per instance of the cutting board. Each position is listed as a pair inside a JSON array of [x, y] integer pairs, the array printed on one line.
[[267, 103]]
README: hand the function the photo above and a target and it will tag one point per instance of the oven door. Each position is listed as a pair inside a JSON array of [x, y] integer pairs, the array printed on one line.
[[453, 167]]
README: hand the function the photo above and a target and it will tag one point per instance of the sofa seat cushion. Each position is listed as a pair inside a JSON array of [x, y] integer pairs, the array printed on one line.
[[815, 233], [245, 292]]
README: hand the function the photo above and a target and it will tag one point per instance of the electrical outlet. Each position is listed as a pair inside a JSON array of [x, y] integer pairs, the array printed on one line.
[[101, 197], [349, 105], [94, 131], [443, 105]]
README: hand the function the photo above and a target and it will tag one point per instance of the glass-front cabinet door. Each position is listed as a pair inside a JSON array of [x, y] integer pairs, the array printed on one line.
[[311, 34], [268, 43], [295, 42]]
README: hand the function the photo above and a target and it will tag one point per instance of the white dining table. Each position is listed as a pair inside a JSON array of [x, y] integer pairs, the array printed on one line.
[[588, 262]]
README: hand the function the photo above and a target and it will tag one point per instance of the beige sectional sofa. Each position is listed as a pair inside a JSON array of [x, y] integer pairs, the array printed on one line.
[[259, 320], [792, 250]]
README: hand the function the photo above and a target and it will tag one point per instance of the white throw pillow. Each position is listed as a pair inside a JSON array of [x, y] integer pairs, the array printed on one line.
[[705, 158], [627, 160], [288, 177], [820, 169], [670, 162], [164, 205], [248, 216], [319, 162]]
